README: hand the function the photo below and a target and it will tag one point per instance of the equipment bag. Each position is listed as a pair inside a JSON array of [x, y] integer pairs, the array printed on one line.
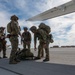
[[45, 27], [9, 30], [24, 54], [50, 38]]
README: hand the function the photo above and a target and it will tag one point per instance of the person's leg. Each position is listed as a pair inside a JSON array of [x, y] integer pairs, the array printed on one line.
[[24, 45], [0, 53], [0, 49], [42, 52], [39, 51], [4, 50], [14, 44], [28, 47], [47, 53]]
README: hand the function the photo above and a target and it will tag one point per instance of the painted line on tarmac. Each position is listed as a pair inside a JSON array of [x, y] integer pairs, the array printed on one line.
[[10, 71]]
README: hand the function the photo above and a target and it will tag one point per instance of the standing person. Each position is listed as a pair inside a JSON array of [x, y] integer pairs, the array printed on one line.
[[13, 30], [42, 37], [2, 42], [26, 37]]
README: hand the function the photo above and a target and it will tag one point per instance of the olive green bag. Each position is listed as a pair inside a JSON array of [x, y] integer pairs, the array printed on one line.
[[45, 27], [24, 54], [9, 30]]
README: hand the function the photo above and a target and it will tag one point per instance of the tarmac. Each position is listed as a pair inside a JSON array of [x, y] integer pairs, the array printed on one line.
[[62, 62]]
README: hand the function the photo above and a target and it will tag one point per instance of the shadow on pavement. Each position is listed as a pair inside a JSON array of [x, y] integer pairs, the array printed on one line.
[[37, 68]]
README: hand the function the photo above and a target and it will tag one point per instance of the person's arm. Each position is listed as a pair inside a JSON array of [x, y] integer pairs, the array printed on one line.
[[29, 36], [35, 41], [22, 37]]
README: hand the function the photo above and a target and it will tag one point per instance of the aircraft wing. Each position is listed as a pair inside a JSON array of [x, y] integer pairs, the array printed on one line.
[[66, 8]]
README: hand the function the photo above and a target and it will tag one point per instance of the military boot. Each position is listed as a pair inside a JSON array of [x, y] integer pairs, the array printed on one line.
[[46, 59], [13, 62], [42, 55], [4, 56], [17, 60], [37, 58], [0, 57]]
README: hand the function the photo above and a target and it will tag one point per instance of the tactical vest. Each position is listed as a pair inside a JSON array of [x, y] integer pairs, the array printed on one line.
[[13, 28], [42, 35], [26, 36]]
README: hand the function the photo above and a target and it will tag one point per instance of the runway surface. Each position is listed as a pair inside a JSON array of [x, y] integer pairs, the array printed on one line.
[[62, 62]]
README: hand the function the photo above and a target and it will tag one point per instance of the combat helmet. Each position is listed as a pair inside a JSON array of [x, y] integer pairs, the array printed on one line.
[[33, 28], [14, 16], [25, 28], [2, 28]]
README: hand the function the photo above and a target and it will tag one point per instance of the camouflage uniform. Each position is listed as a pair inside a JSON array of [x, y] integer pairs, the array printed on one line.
[[3, 42], [26, 36], [42, 37], [14, 39]]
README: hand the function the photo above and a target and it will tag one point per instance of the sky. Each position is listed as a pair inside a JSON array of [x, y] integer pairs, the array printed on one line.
[[62, 28]]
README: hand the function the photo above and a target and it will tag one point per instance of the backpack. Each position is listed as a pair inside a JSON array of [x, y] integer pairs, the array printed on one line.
[[41, 34], [45, 27], [50, 38], [9, 28]]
